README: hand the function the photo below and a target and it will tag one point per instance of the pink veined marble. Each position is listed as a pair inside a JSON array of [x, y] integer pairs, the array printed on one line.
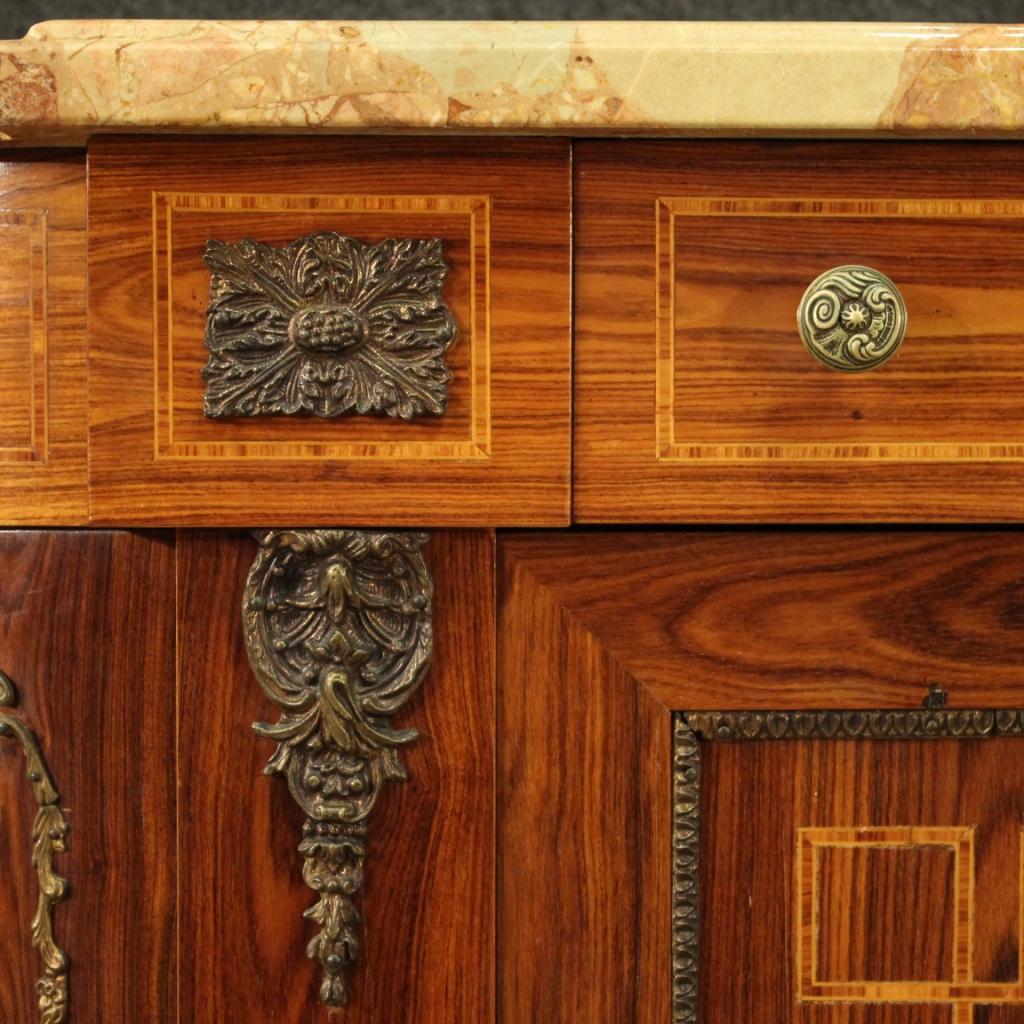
[[66, 80]]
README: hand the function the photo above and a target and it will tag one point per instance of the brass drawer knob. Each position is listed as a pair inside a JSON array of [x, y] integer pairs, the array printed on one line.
[[852, 318]]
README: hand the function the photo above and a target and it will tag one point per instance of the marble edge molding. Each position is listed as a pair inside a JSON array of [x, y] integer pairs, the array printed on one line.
[[66, 80]]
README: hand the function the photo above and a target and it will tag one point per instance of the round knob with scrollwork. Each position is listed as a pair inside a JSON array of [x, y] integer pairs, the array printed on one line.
[[852, 318]]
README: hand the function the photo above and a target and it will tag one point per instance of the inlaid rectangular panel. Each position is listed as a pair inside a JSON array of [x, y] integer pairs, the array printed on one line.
[[886, 875], [860, 864], [42, 341], [499, 451], [696, 396]]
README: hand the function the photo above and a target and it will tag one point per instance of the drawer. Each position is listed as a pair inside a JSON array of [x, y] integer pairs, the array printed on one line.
[[261, 352], [696, 398]]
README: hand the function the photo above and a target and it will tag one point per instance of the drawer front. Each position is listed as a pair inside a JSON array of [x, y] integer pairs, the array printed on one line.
[[697, 398], [324, 373]]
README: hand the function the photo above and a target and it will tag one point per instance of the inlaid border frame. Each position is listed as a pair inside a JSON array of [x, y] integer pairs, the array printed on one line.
[[476, 446], [613, 634], [33, 224], [671, 449]]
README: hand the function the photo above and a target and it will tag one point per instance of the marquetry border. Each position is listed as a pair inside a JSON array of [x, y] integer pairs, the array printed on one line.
[[391, 445], [668, 209], [34, 224], [692, 728]]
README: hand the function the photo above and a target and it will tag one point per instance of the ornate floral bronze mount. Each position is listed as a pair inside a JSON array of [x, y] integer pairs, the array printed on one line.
[[327, 326], [48, 834], [339, 634]]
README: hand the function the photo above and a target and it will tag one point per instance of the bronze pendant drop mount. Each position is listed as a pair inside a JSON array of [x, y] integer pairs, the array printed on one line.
[[339, 634]]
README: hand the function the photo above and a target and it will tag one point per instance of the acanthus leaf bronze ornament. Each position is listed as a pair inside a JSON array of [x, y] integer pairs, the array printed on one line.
[[852, 318], [693, 728], [339, 634], [48, 838], [327, 326]]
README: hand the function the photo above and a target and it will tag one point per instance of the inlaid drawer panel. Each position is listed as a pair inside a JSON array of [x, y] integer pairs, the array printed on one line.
[[329, 330], [697, 398]]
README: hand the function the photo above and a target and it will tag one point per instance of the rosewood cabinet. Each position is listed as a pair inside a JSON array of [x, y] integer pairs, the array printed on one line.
[[449, 580]]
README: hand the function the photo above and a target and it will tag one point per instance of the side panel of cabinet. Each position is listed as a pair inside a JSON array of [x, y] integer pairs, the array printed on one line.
[[43, 406], [87, 638], [428, 903]]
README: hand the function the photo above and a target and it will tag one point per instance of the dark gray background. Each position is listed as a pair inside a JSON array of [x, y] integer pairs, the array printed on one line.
[[17, 15]]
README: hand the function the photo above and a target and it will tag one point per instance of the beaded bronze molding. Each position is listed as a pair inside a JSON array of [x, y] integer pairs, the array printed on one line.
[[48, 838], [685, 872], [339, 634], [327, 326], [692, 728]]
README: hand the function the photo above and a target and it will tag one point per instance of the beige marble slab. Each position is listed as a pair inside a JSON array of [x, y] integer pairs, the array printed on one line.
[[68, 79]]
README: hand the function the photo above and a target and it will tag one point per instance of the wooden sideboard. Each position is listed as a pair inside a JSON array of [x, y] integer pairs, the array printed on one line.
[[614, 659]]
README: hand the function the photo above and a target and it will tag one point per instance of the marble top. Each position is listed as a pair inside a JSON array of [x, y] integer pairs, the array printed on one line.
[[67, 80]]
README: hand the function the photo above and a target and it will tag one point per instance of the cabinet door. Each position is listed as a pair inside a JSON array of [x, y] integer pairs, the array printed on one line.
[[308, 330], [87, 643], [187, 870], [761, 776]]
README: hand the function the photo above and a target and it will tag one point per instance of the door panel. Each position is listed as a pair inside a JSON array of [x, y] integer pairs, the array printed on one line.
[[905, 877], [86, 636], [842, 845]]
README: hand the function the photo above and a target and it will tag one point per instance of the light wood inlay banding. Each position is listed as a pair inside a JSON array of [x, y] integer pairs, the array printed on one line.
[[672, 213], [962, 992], [23, 337]]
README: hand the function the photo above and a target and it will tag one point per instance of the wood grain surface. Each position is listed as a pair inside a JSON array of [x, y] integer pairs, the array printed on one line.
[[428, 902], [608, 632], [583, 825], [695, 399], [42, 340], [797, 619], [501, 454], [885, 914], [87, 635]]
